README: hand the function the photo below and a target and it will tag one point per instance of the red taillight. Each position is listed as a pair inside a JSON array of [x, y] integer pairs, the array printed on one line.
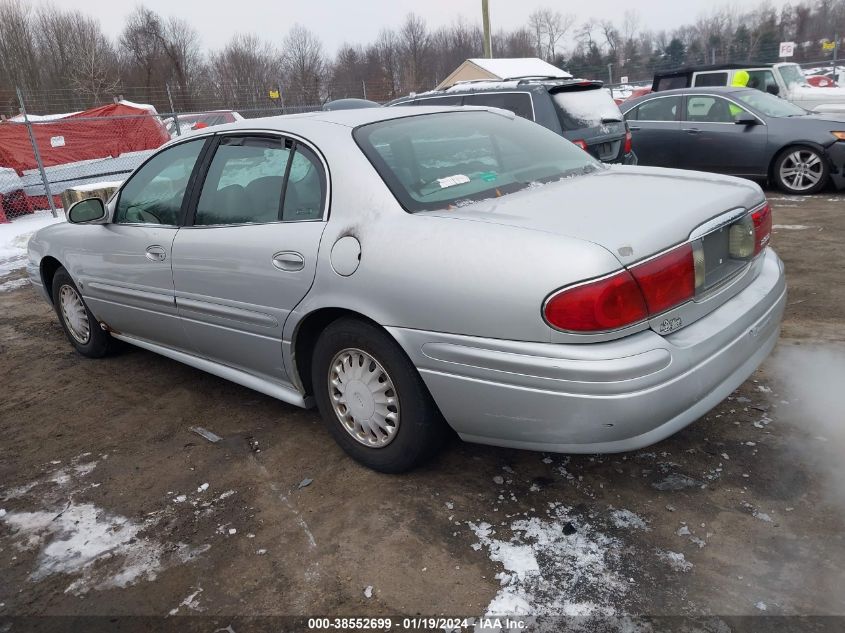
[[605, 304], [667, 280], [581, 143], [762, 227], [626, 297], [629, 142]]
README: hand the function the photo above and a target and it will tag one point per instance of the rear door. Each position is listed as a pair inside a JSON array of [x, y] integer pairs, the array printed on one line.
[[248, 254], [711, 140], [125, 266], [655, 127]]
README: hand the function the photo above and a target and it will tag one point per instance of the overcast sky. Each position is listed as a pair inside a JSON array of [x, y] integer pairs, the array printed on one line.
[[359, 21]]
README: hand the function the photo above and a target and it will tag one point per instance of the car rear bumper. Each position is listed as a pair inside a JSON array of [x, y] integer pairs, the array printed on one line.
[[604, 397]]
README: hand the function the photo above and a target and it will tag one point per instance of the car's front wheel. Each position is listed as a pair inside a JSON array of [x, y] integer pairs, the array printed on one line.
[[82, 329], [372, 399], [801, 170]]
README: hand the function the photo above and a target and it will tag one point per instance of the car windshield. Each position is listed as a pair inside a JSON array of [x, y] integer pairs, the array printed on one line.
[[792, 75], [451, 159], [770, 105]]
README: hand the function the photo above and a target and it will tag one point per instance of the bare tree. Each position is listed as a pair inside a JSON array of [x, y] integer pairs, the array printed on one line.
[[243, 71], [303, 66], [416, 48], [549, 28]]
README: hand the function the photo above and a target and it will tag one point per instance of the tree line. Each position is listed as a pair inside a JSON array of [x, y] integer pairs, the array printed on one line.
[[62, 60]]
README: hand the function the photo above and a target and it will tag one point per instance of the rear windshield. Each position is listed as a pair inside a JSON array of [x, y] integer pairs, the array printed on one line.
[[579, 109], [450, 159]]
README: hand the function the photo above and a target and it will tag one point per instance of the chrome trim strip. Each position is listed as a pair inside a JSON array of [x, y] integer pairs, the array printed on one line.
[[226, 312], [156, 298]]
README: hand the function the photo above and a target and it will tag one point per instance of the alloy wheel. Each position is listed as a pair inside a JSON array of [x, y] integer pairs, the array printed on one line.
[[801, 170]]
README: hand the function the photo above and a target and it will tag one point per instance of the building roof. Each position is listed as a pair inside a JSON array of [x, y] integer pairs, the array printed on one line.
[[502, 68]]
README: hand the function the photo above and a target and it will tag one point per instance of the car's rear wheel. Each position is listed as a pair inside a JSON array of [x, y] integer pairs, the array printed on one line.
[[372, 399], [801, 170], [81, 328]]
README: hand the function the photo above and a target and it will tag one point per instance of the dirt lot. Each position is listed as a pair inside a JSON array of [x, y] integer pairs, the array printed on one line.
[[111, 505]]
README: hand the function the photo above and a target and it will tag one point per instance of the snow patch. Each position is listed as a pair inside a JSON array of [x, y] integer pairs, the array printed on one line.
[[14, 237], [676, 560], [625, 519], [104, 550]]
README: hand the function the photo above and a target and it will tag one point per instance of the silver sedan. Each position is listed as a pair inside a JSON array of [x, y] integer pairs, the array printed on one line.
[[408, 272]]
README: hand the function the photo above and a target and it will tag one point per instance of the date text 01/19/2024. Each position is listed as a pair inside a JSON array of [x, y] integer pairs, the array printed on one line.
[[418, 623]]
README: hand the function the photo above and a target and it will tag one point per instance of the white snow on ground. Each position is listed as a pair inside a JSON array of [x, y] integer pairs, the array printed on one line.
[[98, 548], [791, 227], [676, 560], [13, 284], [15, 235], [625, 519], [192, 602], [551, 569]]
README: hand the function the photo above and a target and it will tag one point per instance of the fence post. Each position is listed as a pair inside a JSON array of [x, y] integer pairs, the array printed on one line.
[[37, 154], [173, 110]]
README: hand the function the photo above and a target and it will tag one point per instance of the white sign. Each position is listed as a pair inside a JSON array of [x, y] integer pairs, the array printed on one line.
[[623, 79], [57, 141], [787, 49]]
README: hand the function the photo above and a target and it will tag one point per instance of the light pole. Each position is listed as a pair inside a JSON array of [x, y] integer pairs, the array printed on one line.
[[610, 74], [485, 19]]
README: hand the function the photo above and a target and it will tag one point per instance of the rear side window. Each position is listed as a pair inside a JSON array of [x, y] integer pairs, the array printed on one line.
[[517, 102], [450, 100], [579, 109], [244, 182], [671, 83], [305, 192], [660, 109], [711, 79]]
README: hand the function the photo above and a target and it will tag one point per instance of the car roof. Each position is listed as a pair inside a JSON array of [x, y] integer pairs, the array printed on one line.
[[710, 67], [519, 84], [714, 90]]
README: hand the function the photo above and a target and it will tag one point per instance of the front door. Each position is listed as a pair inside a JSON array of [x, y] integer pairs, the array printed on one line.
[[125, 266], [249, 254], [711, 140]]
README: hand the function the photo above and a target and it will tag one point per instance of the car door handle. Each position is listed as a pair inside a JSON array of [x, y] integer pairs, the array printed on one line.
[[289, 261], [692, 130], [156, 254]]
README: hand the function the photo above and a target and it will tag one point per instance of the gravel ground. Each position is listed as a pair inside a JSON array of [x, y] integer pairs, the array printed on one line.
[[111, 505]]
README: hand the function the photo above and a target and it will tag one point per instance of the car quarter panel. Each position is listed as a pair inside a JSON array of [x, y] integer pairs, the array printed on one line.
[[607, 397]]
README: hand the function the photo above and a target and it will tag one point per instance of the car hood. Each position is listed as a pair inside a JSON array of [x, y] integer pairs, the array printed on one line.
[[833, 95], [633, 212]]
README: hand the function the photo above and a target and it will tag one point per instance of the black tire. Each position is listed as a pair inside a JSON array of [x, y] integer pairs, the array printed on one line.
[[98, 342], [788, 157], [420, 430]]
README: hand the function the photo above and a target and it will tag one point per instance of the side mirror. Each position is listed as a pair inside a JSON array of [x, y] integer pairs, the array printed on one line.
[[743, 118], [773, 89], [88, 211]]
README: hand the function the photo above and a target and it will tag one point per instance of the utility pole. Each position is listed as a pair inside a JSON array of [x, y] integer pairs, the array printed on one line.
[[835, 51], [485, 19], [610, 74], [37, 155]]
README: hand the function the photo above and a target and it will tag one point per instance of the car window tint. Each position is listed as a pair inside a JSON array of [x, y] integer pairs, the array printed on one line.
[[710, 110], [587, 108], [660, 109], [305, 193], [155, 192], [762, 80], [518, 103], [711, 79], [244, 182]]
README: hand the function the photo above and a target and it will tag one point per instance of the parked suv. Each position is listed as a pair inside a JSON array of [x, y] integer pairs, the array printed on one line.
[[579, 110]]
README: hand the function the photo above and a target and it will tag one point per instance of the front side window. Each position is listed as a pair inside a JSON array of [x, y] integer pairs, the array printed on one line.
[[660, 109], [154, 194], [769, 105], [451, 159], [762, 80], [518, 103], [711, 110], [792, 75], [244, 182]]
